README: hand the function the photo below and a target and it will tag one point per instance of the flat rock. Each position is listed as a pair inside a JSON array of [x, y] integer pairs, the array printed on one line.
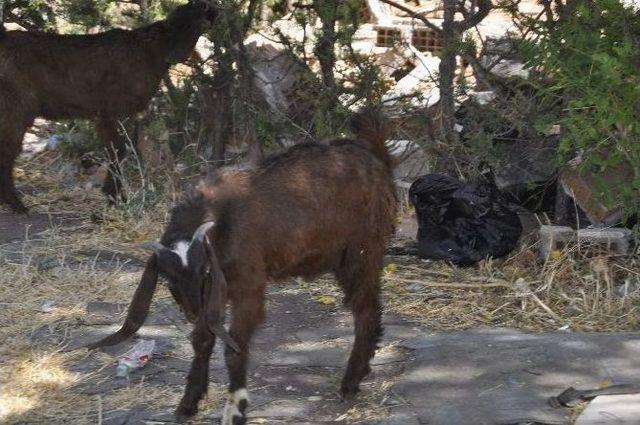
[[285, 409], [163, 335], [398, 417], [387, 355], [309, 354], [612, 410], [490, 376]]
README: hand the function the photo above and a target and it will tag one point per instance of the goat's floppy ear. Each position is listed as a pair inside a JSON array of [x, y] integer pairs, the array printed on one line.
[[139, 307], [216, 299]]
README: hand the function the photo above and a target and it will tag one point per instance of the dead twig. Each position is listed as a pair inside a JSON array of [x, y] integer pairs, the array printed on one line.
[[452, 284]]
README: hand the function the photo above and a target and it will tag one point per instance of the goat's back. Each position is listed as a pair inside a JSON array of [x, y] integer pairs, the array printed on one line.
[[304, 207], [81, 76]]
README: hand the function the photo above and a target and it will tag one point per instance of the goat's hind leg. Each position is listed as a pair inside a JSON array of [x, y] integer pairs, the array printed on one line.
[[198, 379], [360, 279], [247, 314], [116, 147]]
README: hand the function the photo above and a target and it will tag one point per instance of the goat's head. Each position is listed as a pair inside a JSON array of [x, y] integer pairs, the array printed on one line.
[[185, 25], [187, 269], [208, 10], [196, 280], [199, 14]]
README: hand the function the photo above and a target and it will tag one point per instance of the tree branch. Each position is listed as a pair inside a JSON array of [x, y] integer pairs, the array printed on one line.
[[413, 14], [484, 7]]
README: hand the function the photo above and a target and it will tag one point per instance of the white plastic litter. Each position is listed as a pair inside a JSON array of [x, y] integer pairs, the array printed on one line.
[[136, 358]]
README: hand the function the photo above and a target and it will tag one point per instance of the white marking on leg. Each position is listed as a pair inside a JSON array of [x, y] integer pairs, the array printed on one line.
[[232, 408], [181, 248]]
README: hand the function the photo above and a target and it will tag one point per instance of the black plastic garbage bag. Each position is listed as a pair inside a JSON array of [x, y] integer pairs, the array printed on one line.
[[462, 222]]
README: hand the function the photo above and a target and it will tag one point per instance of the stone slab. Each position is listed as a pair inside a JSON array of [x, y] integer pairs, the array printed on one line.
[[504, 376], [612, 410]]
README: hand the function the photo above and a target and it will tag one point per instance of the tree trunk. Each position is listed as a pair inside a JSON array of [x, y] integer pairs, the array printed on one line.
[[447, 68], [144, 11], [217, 114], [327, 11]]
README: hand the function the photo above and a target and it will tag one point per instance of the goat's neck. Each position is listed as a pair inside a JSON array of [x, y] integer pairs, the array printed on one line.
[[169, 45]]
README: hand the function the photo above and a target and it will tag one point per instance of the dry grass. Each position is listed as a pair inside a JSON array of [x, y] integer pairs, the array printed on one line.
[[574, 290], [369, 406]]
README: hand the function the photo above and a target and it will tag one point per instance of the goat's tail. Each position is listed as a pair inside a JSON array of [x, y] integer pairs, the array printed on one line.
[[371, 127]]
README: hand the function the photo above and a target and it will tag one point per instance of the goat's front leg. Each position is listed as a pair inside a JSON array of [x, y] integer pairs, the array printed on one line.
[[11, 136], [8, 192], [198, 379], [248, 313]]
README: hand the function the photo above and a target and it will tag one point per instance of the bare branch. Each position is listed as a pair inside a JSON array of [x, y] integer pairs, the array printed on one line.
[[413, 14], [484, 7]]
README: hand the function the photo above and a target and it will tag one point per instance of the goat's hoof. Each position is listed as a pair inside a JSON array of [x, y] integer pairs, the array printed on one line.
[[239, 420], [348, 392], [234, 420], [184, 413], [235, 410]]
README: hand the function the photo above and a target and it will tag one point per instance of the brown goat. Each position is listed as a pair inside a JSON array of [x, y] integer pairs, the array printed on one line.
[[103, 77], [315, 208]]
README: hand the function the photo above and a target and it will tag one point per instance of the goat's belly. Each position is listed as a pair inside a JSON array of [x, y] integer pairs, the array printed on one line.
[[67, 112], [308, 266], [87, 101]]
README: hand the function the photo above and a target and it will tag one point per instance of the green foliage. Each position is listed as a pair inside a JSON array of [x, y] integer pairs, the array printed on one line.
[[77, 138], [30, 14], [587, 64], [346, 78], [86, 14]]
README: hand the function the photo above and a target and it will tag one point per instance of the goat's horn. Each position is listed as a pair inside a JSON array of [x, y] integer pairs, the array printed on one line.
[[201, 231], [154, 246]]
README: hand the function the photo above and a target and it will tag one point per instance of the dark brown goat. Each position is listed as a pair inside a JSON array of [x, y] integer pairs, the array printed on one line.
[[103, 77], [315, 208]]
